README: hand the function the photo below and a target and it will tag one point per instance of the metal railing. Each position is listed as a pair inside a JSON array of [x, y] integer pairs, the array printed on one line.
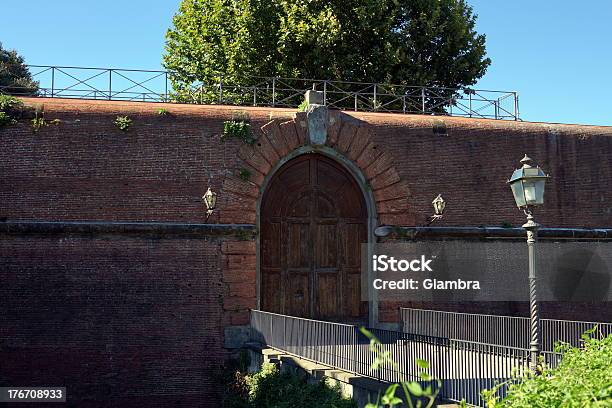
[[495, 329], [464, 368], [156, 86]]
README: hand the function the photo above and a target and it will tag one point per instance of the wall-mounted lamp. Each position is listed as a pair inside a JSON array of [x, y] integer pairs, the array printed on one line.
[[210, 200], [439, 205]]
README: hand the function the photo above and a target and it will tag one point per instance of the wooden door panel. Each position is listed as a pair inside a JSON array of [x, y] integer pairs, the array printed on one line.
[[297, 299], [352, 297], [298, 245], [270, 288], [328, 304], [326, 246], [271, 245]]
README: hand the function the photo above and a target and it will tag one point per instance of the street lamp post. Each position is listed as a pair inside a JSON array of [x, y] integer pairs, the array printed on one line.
[[527, 185]]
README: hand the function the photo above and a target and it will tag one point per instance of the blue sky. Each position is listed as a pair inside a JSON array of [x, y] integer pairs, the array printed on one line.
[[556, 54]]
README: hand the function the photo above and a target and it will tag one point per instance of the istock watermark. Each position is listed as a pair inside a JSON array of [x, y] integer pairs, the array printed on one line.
[[479, 270]]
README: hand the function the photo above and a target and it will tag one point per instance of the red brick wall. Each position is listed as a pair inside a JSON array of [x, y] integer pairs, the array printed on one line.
[[85, 168], [100, 314], [119, 317]]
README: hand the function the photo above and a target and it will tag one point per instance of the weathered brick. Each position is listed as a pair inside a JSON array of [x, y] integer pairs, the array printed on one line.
[[231, 201], [391, 206], [239, 318], [254, 159], [369, 154], [239, 303], [301, 126], [237, 217], [238, 247], [406, 218], [242, 289], [382, 163], [290, 134], [361, 139], [347, 133], [240, 187], [397, 190], [238, 275], [255, 176], [385, 179], [273, 132], [333, 128], [264, 146]]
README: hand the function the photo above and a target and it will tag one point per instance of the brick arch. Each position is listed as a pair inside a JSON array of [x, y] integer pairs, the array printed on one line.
[[348, 136]]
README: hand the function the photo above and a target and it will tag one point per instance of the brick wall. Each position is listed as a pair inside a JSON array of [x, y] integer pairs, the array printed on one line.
[[118, 317], [136, 317]]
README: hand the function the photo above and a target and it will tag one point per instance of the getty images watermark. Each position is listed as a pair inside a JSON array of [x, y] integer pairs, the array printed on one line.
[[390, 264]]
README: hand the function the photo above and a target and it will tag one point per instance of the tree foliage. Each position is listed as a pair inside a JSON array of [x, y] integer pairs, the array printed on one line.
[[583, 379], [15, 79], [406, 42]]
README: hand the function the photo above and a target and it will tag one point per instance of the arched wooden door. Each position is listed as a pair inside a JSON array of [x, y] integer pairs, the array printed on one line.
[[313, 222]]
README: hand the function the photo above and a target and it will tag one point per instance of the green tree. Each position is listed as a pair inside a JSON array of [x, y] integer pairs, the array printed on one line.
[[405, 42], [15, 78]]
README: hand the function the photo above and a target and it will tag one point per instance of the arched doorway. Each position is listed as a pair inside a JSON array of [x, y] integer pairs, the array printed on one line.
[[313, 222]]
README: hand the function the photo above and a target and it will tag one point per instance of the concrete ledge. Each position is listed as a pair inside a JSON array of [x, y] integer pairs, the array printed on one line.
[[416, 233], [144, 229]]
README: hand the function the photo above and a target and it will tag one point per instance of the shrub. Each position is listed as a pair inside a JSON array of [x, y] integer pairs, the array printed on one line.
[[6, 119], [244, 174], [269, 388], [123, 123], [239, 129], [303, 106], [582, 379]]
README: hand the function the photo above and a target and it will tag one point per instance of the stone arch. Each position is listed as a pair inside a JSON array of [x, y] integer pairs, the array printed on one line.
[[351, 138]]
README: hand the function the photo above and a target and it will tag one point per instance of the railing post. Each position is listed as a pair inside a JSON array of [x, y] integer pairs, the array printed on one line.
[[355, 101], [404, 103], [166, 93], [470, 95], [220, 90], [201, 93], [325, 92], [516, 107], [274, 91], [423, 100], [52, 81], [495, 102], [374, 99], [110, 83], [254, 95]]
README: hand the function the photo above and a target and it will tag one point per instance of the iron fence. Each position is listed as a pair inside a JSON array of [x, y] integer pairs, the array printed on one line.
[[464, 368], [494, 329], [156, 86]]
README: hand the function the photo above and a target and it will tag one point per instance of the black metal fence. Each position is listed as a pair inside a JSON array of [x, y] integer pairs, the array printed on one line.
[[494, 329], [156, 86], [464, 368]]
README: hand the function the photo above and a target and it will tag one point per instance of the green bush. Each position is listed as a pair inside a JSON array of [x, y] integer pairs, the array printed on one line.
[[239, 129], [583, 379], [268, 388], [9, 109], [123, 123]]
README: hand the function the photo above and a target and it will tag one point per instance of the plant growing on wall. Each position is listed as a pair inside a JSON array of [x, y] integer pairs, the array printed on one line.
[[303, 107], [244, 174], [123, 123], [162, 112], [240, 129], [9, 109]]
